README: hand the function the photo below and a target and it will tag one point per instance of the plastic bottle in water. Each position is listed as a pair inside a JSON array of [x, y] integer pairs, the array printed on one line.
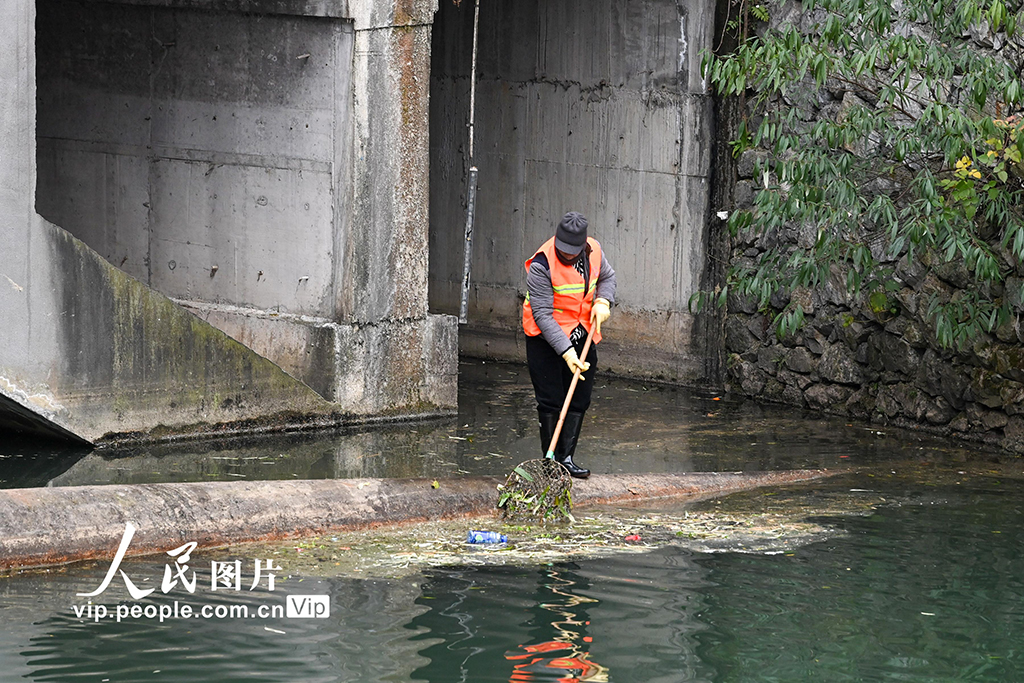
[[486, 537]]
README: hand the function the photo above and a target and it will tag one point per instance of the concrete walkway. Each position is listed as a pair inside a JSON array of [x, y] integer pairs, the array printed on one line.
[[48, 526]]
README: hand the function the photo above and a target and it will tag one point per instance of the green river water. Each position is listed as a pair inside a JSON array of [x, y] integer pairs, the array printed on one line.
[[913, 572]]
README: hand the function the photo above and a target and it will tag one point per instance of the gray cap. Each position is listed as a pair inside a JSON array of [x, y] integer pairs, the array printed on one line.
[[571, 233]]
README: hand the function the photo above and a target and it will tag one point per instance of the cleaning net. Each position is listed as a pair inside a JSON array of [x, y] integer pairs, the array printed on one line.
[[537, 490]]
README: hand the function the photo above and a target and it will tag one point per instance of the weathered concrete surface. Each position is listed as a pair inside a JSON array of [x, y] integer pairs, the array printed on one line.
[[132, 362], [57, 525], [265, 168], [365, 369], [219, 152], [175, 142], [625, 488], [591, 106]]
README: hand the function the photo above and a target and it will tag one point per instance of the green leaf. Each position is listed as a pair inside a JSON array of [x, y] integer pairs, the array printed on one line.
[[522, 473], [885, 172], [696, 302]]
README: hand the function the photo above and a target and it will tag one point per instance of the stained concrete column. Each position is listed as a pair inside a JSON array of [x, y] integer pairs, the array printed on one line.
[[27, 351], [383, 293], [391, 163]]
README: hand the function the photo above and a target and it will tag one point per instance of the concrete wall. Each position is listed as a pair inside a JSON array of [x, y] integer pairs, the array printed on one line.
[[229, 160], [195, 149], [26, 308], [162, 139], [595, 106], [84, 346]]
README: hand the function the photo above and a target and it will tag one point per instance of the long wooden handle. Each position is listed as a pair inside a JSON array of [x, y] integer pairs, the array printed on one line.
[[568, 397]]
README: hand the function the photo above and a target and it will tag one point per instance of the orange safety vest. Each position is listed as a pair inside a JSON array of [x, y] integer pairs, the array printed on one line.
[[572, 304]]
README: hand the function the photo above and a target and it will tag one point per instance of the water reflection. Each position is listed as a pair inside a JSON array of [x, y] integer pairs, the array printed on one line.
[[632, 427], [410, 450], [925, 587], [489, 625], [622, 619], [566, 656], [364, 639], [27, 462]]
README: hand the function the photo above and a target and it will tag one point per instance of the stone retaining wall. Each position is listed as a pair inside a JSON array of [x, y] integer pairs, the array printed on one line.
[[879, 365]]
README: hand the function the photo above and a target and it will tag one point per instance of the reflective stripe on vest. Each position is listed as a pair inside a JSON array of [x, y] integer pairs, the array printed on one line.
[[572, 305]]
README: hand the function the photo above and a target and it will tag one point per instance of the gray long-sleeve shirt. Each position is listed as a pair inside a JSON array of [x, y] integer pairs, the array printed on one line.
[[542, 296]]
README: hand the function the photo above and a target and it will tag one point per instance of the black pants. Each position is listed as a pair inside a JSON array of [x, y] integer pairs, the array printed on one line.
[[551, 376]]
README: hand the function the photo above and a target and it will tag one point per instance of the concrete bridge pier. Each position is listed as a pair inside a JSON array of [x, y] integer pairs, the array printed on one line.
[[214, 217], [214, 213]]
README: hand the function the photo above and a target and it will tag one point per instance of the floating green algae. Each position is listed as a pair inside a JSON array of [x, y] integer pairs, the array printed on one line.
[[774, 520], [596, 532]]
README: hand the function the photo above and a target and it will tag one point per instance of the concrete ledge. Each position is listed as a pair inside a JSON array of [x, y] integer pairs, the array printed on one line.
[[48, 526]]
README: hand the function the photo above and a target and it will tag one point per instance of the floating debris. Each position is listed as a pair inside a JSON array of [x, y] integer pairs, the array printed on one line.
[[396, 552]]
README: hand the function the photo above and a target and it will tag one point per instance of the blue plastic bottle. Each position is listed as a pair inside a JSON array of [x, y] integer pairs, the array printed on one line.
[[486, 537]]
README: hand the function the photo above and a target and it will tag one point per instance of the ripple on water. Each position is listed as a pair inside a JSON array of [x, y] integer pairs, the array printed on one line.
[[925, 586], [924, 590], [364, 639]]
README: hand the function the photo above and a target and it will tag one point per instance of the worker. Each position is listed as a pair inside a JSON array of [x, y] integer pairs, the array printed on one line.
[[570, 290]]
